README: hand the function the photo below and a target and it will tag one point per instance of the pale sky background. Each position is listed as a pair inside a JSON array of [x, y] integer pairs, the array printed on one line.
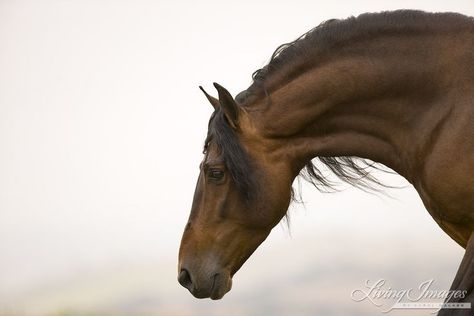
[[101, 132]]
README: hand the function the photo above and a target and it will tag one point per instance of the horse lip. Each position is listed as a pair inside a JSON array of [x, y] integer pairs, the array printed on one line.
[[212, 294], [199, 294], [214, 291]]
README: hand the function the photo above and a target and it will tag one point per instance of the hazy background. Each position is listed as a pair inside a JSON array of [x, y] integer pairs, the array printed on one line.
[[101, 132]]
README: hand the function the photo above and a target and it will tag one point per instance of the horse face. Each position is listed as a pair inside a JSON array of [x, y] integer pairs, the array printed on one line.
[[227, 223]]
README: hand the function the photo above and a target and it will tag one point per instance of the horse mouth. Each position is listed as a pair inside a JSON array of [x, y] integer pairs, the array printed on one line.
[[215, 293], [220, 286]]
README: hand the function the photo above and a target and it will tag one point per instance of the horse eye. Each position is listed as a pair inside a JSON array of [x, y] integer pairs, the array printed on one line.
[[215, 174]]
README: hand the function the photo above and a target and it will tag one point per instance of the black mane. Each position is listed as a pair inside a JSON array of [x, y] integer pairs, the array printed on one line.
[[323, 41], [307, 51], [233, 154]]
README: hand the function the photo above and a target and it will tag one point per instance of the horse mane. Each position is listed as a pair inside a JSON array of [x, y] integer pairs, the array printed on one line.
[[232, 153], [320, 43], [313, 47]]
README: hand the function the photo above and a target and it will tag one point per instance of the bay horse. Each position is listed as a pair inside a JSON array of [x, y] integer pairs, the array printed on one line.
[[392, 88]]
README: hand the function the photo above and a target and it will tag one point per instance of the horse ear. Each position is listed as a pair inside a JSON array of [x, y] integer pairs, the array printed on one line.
[[228, 104], [214, 102]]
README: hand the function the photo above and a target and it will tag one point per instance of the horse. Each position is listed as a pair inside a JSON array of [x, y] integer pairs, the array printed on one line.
[[392, 89]]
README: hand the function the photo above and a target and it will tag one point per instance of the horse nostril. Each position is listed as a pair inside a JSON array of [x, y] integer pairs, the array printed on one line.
[[184, 279]]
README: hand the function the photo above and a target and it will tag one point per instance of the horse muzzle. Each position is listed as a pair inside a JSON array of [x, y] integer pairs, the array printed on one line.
[[205, 285]]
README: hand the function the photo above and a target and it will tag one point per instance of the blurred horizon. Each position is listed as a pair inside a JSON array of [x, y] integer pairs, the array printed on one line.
[[101, 129]]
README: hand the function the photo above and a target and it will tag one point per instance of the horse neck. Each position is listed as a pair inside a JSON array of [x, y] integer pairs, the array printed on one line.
[[379, 106]]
